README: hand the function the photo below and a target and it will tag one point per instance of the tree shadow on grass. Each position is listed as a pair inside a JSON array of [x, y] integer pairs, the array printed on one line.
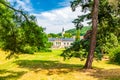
[[109, 74], [10, 75], [114, 63], [50, 66]]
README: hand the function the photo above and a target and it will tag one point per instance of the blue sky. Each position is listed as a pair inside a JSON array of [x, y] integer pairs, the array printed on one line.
[[51, 14], [47, 5]]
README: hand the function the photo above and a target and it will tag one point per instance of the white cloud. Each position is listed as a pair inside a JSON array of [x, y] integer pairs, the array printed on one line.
[[55, 20]]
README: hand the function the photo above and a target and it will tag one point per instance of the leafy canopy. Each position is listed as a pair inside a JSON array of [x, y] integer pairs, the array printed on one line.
[[19, 32]]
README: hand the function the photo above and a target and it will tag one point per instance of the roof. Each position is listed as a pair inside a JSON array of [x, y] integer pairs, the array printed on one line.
[[61, 39]]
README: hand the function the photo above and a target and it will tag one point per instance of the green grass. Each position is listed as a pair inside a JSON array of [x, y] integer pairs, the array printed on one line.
[[50, 66]]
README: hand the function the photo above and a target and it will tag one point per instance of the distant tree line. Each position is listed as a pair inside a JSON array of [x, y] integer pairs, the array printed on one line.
[[69, 33]]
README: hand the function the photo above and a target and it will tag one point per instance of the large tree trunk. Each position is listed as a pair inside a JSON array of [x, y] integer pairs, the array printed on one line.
[[88, 64]]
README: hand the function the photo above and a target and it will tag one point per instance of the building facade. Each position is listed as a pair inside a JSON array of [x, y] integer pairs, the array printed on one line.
[[61, 42]]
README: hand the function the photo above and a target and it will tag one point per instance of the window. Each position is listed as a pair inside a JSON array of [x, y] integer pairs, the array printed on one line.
[[58, 43], [64, 43], [67, 43]]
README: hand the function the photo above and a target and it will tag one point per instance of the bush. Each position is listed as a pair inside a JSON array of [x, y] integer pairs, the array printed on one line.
[[75, 50], [115, 55], [28, 49]]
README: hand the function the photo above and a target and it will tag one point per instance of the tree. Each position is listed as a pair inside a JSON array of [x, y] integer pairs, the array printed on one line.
[[53, 35], [108, 24], [108, 28], [89, 61], [78, 27], [19, 31], [67, 35], [94, 16]]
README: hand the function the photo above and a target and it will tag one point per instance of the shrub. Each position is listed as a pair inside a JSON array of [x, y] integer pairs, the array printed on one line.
[[115, 55], [75, 50], [28, 49]]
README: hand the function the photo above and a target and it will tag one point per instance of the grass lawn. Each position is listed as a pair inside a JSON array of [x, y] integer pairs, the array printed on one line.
[[50, 66]]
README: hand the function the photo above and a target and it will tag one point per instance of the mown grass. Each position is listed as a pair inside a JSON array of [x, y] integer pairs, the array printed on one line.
[[50, 66]]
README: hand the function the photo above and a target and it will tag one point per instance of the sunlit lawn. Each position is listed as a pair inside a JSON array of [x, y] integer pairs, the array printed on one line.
[[50, 66]]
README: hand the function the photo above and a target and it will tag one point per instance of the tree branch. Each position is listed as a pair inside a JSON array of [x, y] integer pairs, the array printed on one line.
[[20, 11]]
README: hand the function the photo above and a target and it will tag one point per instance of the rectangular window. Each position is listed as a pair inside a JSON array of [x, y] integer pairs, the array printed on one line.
[[67, 43]]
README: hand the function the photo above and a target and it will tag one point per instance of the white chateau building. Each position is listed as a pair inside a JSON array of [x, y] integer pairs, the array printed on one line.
[[61, 42]]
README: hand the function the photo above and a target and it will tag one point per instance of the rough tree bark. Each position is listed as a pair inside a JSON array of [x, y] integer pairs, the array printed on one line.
[[88, 64]]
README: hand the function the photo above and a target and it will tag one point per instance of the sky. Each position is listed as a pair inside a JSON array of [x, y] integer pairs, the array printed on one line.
[[51, 14]]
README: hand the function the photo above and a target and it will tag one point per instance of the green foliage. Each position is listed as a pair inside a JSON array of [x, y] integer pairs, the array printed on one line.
[[115, 55], [86, 6], [77, 38], [19, 32], [107, 42], [108, 29], [73, 31], [108, 26], [27, 49], [80, 49], [52, 35], [84, 30], [75, 50], [67, 35]]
